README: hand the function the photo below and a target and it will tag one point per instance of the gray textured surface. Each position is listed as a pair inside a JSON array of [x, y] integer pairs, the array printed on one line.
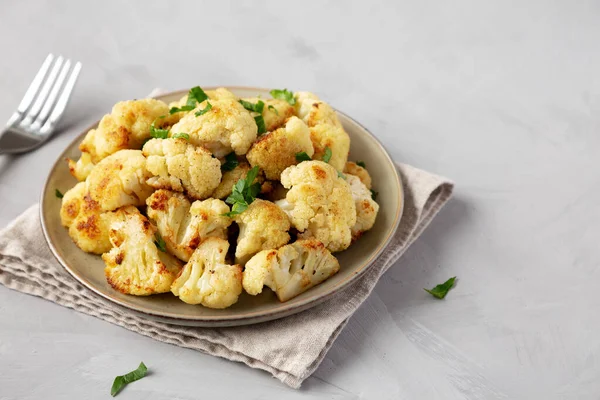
[[504, 97]]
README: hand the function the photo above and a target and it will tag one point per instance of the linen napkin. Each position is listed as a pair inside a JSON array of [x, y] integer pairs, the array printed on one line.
[[290, 349]]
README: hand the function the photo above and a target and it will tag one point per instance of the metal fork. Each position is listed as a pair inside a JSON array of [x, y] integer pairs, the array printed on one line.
[[42, 106]]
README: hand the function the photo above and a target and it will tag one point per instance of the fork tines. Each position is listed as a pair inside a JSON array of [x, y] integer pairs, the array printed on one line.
[[47, 96]]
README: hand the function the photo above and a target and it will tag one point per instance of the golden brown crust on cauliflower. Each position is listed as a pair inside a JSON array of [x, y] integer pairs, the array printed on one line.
[[120, 180], [126, 127], [262, 226], [325, 128], [290, 270], [178, 165], [207, 279], [319, 203], [135, 265], [225, 127], [184, 226], [366, 207], [277, 150], [87, 223], [353, 168]]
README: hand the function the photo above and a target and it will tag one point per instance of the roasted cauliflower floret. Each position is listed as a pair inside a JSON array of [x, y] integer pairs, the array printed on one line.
[[230, 178], [275, 112], [353, 168], [334, 137], [120, 180], [319, 203], [135, 265], [126, 127], [178, 165], [225, 127], [81, 168], [277, 150], [182, 225], [291, 270], [325, 128], [87, 223], [262, 226], [314, 111], [207, 279], [366, 207]]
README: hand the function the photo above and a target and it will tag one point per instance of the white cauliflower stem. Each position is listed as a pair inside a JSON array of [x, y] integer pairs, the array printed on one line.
[[262, 226], [291, 270], [178, 165], [366, 207], [319, 204], [135, 265], [206, 279], [183, 225]]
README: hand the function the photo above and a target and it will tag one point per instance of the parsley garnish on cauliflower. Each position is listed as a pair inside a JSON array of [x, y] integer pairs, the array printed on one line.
[[178, 165], [225, 127], [126, 127], [290, 270], [277, 150], [183, 225], [319, 204], [135, 265], [163, 185], [207, 279], [262, 226]]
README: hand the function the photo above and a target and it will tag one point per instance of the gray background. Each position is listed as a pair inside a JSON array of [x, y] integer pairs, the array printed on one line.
[[501, 96]]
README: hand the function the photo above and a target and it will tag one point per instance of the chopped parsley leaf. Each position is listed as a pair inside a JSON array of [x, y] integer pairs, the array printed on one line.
[[231, 162], [302, 156], [441, 290], [284, 94]]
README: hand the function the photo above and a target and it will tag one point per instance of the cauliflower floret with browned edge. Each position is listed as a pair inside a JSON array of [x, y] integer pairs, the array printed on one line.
[[325, 128], [290, 270], [366, 207], [178, 165], [262, 226], [275, 112], [81, 168], [184, 225], [120, 180], [353, 168], [135, 265], [230, 178], [314, 111], [319, 203], [207, 279], [276, 151], [126, 127], [226, 126], [87, 223], [334, 137]]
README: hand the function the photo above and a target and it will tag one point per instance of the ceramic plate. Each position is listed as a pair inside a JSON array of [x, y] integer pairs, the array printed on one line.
[[89, 269]]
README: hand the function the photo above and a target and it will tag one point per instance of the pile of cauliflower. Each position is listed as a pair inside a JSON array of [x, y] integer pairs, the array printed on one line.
[[214, 195]]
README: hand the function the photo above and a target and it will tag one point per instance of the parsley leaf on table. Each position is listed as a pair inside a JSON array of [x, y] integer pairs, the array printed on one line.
[[441, 290]]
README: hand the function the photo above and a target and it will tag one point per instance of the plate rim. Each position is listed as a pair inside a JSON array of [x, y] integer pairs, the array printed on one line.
[[226, 320]]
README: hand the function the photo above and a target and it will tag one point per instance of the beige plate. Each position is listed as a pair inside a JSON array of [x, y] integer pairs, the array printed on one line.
[[89, 269]]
